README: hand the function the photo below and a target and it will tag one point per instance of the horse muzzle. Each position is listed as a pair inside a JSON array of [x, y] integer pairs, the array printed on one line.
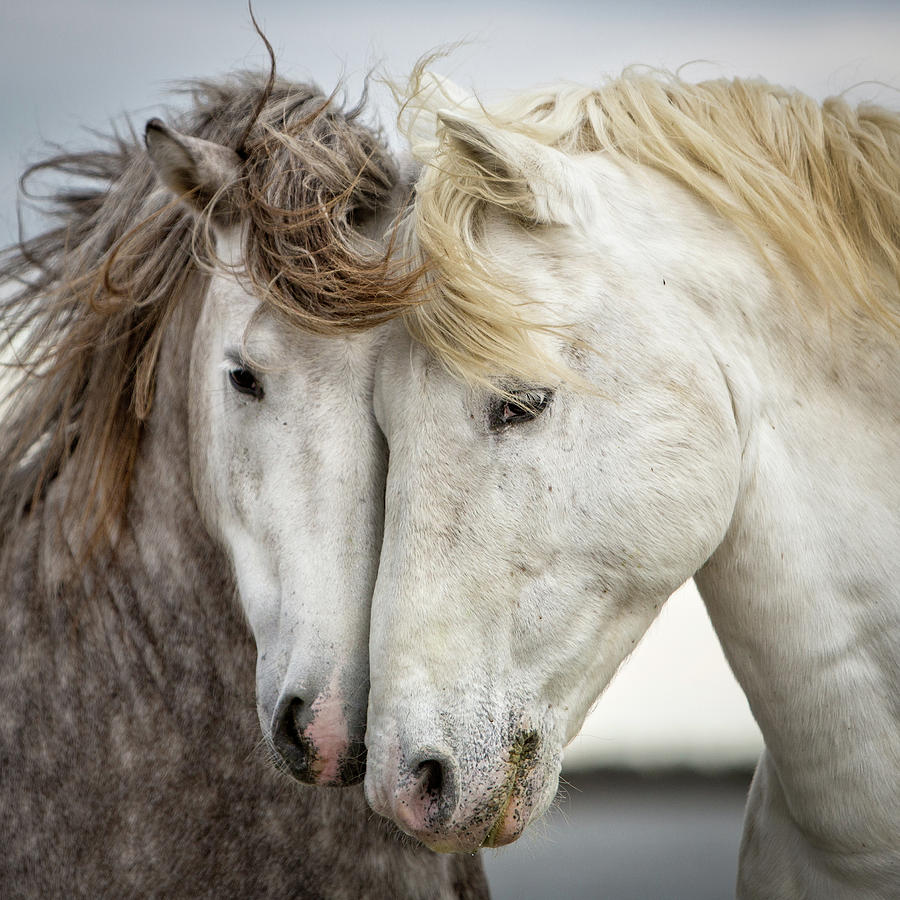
[[455, 804], [315, 743]]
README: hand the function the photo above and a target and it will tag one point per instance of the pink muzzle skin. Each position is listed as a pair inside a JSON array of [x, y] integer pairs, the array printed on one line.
[[318, 743], [329, 737], [510, 823]]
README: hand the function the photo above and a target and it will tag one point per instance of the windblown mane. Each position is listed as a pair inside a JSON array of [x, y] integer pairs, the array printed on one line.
[[820, 183], [91, 296]]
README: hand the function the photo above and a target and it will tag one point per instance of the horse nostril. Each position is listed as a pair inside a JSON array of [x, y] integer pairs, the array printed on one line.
[[287, 736], [431, 777], [431, 789], [291, 717], [289, 723]]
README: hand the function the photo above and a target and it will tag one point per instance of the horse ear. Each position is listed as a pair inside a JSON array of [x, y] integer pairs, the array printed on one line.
[[531, 179], [198, 171]]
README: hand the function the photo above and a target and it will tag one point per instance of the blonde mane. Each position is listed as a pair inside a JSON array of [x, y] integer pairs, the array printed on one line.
[[818, 182]]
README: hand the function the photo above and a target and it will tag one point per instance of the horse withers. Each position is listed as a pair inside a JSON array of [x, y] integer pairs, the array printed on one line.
[[190, 467], [661, 340]]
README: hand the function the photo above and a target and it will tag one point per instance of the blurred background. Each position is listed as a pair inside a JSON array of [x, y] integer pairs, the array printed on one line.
[[655, 783]]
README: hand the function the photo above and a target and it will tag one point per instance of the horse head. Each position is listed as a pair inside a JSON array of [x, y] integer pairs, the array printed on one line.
[[537, 515], [287, 469]]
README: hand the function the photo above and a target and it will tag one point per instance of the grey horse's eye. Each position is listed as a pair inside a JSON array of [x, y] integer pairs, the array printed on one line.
[[519, 406], [245, 381]]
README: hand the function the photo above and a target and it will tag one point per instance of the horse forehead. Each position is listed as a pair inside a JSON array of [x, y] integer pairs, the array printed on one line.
[[341, 362], [635, 214], [230, 245], [552, 264], [244, 320], [401, 386], [406, 370]]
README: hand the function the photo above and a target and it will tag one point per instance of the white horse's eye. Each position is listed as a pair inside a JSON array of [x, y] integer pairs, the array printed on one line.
[[520, 406], [246, 382]]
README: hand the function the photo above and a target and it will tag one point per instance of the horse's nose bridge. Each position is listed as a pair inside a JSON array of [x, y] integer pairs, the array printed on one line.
[[324, 644]]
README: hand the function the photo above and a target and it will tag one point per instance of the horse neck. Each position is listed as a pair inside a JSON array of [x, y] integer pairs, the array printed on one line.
[[163, 576], [162, 522], [802, 591]]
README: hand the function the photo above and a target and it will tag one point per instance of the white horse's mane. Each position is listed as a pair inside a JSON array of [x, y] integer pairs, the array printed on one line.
[[818, 182]]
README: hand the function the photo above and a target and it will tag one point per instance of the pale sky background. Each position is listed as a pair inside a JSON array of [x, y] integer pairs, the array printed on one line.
[[70, 64]]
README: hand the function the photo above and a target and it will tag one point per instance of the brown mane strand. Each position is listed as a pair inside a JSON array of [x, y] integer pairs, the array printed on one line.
[[88, 300]]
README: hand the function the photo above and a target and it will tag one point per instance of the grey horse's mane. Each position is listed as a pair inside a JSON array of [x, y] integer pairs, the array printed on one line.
[[93, 294]]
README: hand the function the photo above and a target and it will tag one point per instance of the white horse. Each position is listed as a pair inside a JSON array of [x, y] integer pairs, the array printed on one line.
[[662, 341]]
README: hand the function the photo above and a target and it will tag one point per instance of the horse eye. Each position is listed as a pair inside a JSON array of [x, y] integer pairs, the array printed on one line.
[[244, 381], [520, 406]]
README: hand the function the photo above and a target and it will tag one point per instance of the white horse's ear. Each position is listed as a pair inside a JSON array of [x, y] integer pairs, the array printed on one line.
[[531, 179], [198, 171]]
